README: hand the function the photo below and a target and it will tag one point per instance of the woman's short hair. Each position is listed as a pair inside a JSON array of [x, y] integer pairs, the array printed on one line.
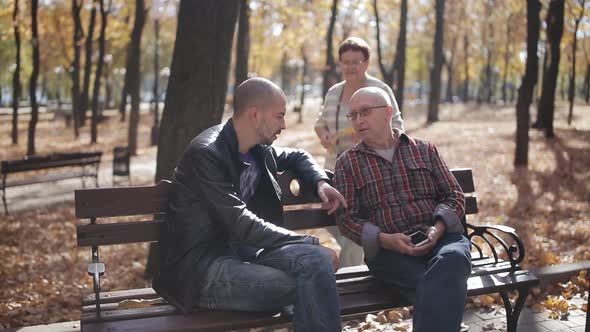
[[354, 44]]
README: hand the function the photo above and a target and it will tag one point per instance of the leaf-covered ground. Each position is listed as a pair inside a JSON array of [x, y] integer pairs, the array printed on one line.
[[43, 274]]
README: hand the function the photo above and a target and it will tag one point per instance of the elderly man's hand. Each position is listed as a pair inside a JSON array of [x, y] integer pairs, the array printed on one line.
[[403, 244], [332, 199]]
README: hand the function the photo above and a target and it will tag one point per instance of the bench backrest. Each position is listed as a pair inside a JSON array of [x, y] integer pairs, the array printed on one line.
[[301, 206], [31, 163]]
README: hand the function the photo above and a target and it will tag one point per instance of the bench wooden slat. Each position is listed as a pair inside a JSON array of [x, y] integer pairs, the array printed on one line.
[[465, 178], [463, 175], [204, 321], [149, 231], [110, 202], [118, 233], [120, 295], [123, 201], [50, 161], [46, 178], [306, 219]]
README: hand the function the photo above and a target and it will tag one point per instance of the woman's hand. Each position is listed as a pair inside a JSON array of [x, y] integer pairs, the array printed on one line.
[[327, 139]]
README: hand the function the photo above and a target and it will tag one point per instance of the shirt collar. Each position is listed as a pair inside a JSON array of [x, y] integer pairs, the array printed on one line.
[[363, 147]]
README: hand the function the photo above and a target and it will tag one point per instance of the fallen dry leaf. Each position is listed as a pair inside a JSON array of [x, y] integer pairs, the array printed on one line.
[[140, 303], [547, 204]]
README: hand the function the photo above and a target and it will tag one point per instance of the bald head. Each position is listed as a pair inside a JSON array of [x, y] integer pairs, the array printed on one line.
[[371, 95], [255, 92]]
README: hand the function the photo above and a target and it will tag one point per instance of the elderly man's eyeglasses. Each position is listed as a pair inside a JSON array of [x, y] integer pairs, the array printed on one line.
[[363, 112], [352, 63]]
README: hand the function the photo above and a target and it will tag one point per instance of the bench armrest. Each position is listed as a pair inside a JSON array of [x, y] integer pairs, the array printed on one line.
[[495, 235]]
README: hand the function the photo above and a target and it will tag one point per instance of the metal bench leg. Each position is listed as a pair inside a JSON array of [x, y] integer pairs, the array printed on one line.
[[96, 269], [96, 174], [4, 201], [513, 312], [83, 178], [4, 194]]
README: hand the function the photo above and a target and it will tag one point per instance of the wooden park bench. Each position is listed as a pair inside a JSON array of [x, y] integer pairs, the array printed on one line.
[[496, 257], [58, 166]]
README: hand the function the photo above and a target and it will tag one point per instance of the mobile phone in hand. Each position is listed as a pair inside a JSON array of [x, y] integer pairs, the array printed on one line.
[[418, 238]]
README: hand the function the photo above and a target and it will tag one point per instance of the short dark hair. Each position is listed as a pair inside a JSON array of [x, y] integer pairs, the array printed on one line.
[[256, 91], [354, 44]]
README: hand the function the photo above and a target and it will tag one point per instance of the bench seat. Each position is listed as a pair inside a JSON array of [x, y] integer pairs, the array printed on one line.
[[359, 294]]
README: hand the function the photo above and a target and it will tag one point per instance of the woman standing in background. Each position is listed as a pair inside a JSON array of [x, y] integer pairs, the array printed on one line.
[[335, 130]]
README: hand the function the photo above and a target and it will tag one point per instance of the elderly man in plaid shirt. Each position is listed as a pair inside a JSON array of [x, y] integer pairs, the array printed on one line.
[[395, 185]]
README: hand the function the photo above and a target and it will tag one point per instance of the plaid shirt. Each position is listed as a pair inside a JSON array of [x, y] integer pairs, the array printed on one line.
[[383, 196]]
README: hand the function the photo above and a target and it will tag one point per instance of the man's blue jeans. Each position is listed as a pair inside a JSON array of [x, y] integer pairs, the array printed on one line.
[[439, 280], [299, 274]]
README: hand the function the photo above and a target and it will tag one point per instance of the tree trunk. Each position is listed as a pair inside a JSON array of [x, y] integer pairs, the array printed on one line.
[[488, 74], [44, 90], [330, 75], [526, 91], [489, 43], [544, 68], [466, 66], [572, 87], [78, 35], [195, 96], [449, 91], [400, 56], [587, 85], [88, 64], [386, 73], [33, 80], [506, 61], [16, 85], [108, 87], [125, 88], [99, 64], [156, 91], [538, 124], [303, 74], [434, 94], [554, 34], [450, 65], [134, 74], [285, 76], [562, 86], [243, 45]]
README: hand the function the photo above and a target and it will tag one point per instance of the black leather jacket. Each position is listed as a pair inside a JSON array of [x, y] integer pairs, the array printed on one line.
[[206, 213]]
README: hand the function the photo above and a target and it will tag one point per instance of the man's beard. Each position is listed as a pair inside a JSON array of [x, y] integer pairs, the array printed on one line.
[[264, 139]]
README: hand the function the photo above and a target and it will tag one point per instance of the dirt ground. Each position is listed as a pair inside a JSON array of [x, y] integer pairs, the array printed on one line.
[[43, 276]]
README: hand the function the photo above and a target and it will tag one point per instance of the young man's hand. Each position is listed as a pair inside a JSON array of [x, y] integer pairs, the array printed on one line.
[[332, 199]]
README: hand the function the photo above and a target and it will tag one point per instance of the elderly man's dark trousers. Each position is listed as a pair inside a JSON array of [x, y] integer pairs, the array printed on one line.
[[439, 280]]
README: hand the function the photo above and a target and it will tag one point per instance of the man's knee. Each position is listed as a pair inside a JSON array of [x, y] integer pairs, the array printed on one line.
[[455, 261], [317, 259]]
